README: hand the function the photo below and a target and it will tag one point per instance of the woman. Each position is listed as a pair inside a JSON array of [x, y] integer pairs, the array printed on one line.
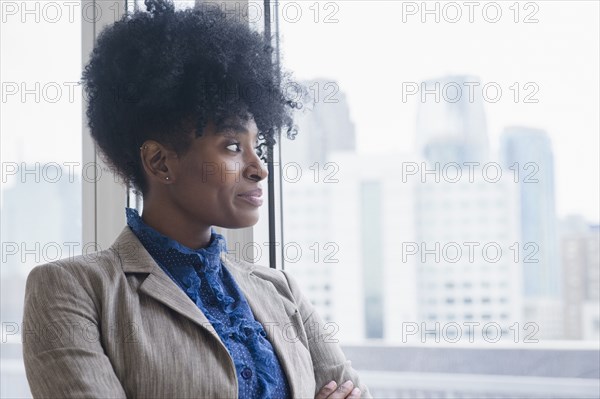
[[179, 102]]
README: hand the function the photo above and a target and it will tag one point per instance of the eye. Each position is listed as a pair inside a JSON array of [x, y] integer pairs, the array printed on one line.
[[235, 145]]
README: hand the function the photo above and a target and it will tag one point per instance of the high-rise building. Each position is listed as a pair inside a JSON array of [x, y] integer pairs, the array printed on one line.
[[469, 265], [526, 153], [43, 225], [467, 219], [312, 247], [372, 216], [580, 258], [451, 124], [324, 124]]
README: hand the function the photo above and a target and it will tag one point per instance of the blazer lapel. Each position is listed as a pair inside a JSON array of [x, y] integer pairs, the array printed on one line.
[[260, 294], [268, 309], [158, 285]]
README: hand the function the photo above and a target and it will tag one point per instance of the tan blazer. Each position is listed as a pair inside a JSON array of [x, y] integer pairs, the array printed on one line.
[[113, 324]]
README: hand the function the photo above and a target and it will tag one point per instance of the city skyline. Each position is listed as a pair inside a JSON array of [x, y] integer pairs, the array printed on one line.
[[372, 246], [515, 215], [560, 56], [366, 68]]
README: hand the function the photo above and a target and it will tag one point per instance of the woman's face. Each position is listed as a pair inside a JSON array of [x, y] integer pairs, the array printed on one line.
[[217, 182]]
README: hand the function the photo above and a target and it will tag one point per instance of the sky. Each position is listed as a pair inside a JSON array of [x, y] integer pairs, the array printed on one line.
[[370, 49], [371, 52]]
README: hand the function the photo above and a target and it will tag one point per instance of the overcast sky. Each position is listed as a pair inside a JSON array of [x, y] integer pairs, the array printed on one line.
[[370, 51]]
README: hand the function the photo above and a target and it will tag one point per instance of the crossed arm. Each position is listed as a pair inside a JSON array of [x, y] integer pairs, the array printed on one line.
[[329, 362]]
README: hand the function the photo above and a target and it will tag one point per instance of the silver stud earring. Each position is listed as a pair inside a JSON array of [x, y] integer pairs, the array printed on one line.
[[167, 177]]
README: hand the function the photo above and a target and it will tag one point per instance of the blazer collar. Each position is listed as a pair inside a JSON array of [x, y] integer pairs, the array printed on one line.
[[136, 259], [261, 295]]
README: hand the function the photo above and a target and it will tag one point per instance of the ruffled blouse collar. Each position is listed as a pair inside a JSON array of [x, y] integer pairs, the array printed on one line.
[[210, 256]]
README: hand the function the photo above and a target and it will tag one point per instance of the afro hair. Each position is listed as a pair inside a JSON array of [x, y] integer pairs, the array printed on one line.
[[161, 74]]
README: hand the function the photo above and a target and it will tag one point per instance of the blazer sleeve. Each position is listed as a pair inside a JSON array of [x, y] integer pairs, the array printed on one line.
[[62, 348], [329, 362]]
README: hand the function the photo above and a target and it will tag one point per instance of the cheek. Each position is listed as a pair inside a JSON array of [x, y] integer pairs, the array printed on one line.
[[213, 179], [207, 173], [228, 174]]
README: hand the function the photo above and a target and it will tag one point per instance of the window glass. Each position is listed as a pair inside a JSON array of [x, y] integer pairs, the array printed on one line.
[[451, 150], [41, 130]]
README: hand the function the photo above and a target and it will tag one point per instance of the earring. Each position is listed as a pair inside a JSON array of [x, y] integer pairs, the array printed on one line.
[[144, 147], [167, 178]]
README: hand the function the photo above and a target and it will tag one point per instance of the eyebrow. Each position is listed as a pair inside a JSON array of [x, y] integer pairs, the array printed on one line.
[[228, 128], [232, 129]]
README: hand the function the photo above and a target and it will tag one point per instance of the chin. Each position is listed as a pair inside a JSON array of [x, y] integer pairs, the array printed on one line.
[[241, 223]]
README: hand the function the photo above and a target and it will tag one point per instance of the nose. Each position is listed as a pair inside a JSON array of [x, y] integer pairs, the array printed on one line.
[[255, 169]]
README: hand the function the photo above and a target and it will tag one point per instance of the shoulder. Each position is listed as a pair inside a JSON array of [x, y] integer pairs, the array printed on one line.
[[282, 280], [90, 272], [98, 272]]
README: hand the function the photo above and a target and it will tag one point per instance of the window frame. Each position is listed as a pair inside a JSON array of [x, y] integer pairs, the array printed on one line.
[[104, 199]]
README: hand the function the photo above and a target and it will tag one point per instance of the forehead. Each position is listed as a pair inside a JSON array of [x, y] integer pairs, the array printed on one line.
[[237, 127]]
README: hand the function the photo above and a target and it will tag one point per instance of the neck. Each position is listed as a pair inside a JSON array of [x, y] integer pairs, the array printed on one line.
[[171, 222]]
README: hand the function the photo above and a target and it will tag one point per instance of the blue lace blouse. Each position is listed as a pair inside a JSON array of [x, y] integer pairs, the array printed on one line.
[[211, 287]]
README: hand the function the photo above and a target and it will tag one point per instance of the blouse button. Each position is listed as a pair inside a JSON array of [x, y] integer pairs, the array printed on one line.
[[246, 373]]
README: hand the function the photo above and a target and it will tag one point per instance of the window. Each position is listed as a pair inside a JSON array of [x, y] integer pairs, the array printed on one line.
[[372, 132], [379, 146], [43, 171]]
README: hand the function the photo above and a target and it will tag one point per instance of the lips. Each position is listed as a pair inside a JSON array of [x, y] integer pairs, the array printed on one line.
[[252, 193], [253, 197]]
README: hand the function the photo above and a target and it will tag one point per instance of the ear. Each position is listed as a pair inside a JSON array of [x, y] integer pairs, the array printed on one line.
[[159, 162]]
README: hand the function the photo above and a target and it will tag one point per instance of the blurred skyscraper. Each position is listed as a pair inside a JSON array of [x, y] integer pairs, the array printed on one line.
[[309, 176], [468, 271], [451, 125], [461, 213], [527, 154], [324, 124], [41, 223], [580, 250], [372, 215]]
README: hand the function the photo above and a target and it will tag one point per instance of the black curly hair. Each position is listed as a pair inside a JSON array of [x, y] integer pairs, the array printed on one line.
[[163, 74]]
